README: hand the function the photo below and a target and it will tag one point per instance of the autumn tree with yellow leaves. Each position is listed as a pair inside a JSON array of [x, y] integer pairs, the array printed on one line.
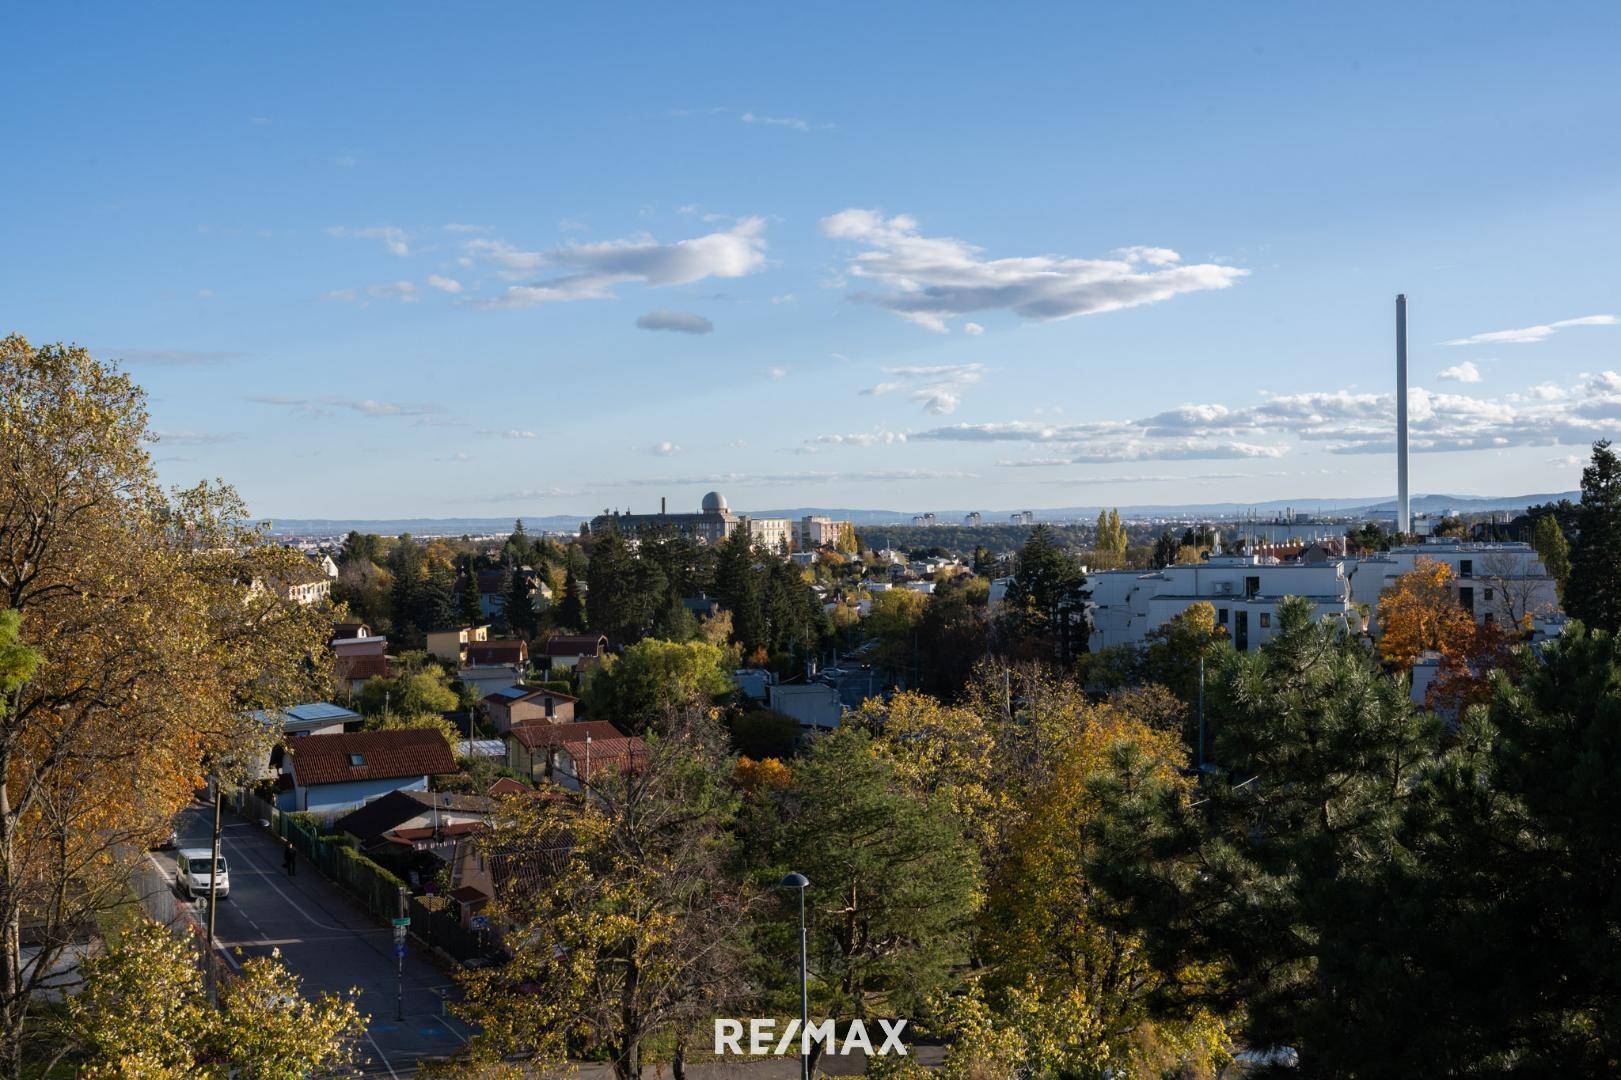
[[1420, 613], [157, 628]]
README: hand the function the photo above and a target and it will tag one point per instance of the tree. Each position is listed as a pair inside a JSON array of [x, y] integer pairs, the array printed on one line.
[[142, 1011], [1044, 609], [1047, 949], [156, 634], [1594, 591], [520, 603], [1166, 549], [468, 611], [626, 930], [737, 587], [892, 621], [571, 612], [1509, 875], [425, 691], [1420, 613], [1554, 549], [892, 880], [652, 677], [1265, 878], [945, 752], [623, 591]]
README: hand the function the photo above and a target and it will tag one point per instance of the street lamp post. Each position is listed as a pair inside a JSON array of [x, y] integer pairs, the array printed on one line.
[[800, 883]]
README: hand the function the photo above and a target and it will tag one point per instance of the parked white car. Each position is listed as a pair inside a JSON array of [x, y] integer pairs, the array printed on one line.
[[192, 873]]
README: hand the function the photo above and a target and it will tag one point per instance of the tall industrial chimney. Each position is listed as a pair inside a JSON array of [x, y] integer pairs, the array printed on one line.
[[1403, 510]]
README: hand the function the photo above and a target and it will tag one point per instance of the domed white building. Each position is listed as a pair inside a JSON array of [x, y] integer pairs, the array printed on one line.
[[713, 523]]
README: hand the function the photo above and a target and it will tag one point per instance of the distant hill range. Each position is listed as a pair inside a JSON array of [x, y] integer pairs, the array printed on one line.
[[1303, 507]]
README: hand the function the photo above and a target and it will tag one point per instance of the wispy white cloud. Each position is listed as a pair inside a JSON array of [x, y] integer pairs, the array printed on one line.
[[777, 372], [1338, 421], [598, 268], [509, 433], [937, 388], [1465, 372], [664, 449], [393, 239], [445, 284], [1526, 335], [193, 438], [174, 357], [973, 329], [932, 280], [682, 322], [329, 405], [793, 479]]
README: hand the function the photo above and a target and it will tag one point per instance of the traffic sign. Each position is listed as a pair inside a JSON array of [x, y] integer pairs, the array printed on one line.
[[399, 950], [403, 920]]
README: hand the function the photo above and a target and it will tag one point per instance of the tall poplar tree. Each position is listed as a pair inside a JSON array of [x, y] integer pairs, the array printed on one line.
[[1594, 591]]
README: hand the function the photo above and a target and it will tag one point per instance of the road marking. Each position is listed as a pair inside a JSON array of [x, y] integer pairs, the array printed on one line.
[[450, 1029], [268, 880], [382, 1055]]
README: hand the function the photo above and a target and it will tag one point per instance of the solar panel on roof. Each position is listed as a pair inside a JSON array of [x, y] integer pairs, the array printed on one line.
[[319, 710]]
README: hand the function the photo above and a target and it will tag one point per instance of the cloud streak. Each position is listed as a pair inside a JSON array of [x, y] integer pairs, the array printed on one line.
[[681, 322], [933, 280], [1527, 335], [593, 271], [936, 389]]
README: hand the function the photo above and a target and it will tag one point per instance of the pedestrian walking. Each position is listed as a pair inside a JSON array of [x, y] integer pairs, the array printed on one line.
[[288, 857]]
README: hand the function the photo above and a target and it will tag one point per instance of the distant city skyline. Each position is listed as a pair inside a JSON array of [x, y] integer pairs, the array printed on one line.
[[553, 261]]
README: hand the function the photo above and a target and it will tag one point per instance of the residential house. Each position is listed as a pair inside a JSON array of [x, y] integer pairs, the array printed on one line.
[[353, 672], [519, 705], [488, 678], [495, 651], [564, 753], [330, 775], [451, 645], [315, 718], [344, 631], [434, 811], [1502, 583], [813, 705], [574, 652], [304, 586], [492, 593]]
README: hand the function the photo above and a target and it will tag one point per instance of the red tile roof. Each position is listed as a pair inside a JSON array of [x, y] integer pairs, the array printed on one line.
[[364, 666], [506, 785], [547, 735], [496, 651], [384, 755], [623, 753]]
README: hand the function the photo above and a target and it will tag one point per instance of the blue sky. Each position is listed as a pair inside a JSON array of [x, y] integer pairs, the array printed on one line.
[[423, 260]]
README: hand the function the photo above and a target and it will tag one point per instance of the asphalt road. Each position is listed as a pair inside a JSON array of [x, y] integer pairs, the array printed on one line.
[[327, 940]]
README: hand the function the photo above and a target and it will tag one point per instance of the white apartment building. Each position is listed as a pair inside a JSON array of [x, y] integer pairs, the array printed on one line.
[[814, 531], [1497, 582], [1245, 590]]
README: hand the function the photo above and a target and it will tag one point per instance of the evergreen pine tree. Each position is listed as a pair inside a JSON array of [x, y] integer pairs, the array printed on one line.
[[1594, 592]]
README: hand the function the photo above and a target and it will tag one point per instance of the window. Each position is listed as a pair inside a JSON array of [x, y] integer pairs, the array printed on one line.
[[1490, 618], [357, 759], [551, 707], [1466, 568], [1221, 617], [1488, 596], [1266, 619], [1252, 585]]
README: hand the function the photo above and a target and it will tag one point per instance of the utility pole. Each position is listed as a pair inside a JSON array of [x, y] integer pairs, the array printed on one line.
[[1201, 712], [400, 924], [213, 888]]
